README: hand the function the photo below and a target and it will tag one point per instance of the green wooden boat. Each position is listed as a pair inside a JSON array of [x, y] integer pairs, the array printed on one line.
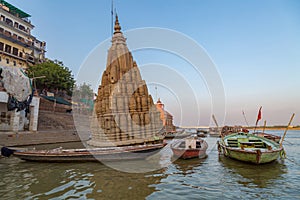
[[250, 148]]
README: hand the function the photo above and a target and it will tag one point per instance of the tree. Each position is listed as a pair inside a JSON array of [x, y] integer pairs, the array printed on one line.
[[57, 76], [83, 91]]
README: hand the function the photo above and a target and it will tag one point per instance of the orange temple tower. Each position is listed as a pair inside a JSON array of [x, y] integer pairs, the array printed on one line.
[[124, 110]]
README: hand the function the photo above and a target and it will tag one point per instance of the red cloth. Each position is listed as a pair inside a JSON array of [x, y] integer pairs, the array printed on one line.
[[259, 115]]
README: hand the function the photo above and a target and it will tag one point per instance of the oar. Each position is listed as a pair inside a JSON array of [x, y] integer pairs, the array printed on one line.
[[245, 118], [286, 129], [214, 118], [265, 123]]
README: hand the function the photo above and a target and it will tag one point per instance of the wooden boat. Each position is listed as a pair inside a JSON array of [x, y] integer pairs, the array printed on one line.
[[214, 132], [250, 148], [93, 154], [227, 130], [191, 147], [178, 134], [268, 136]]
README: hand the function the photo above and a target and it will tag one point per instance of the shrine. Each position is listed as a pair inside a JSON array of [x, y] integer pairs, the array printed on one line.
[[124, 112]]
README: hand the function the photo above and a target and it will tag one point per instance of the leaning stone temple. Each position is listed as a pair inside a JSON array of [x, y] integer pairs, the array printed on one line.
[[124, 110]]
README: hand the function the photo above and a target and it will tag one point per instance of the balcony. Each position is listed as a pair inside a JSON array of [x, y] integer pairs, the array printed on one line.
[[38, 45], [15, 39], [10, 25], [12, 55]]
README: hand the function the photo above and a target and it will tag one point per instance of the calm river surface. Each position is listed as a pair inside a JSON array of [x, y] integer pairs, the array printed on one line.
[[214, 177]]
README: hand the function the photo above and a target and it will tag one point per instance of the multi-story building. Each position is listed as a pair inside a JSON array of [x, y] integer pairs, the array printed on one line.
[[18, 48]]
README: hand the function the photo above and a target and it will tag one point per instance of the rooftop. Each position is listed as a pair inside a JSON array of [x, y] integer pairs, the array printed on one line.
[[13, 10]]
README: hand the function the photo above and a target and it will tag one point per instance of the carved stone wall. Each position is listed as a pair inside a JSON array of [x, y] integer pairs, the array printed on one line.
[[124, 111]]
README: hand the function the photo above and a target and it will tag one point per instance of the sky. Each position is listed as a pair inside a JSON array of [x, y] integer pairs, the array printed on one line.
[[253, 44]]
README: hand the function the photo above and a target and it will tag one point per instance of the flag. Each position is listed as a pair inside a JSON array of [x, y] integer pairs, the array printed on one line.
[[259, 115]]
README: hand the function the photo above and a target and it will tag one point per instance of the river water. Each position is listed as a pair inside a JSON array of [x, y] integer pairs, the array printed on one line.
[[214, 177]]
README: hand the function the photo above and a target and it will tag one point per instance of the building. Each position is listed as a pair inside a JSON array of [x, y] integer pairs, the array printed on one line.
[[166, 117], [18, 48], [124, 110]]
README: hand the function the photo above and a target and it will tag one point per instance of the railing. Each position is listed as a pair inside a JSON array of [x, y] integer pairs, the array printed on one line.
[[15, 39], [12, 55], [10, 24]]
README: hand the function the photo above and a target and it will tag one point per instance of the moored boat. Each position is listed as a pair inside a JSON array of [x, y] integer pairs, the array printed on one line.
[[92, 154], [250, 148], [178, 134], [214, 132], [273, 137], [227, 130], [191, 147]]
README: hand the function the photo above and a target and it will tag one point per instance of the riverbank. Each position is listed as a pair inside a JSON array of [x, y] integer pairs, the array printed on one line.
[[274, 128]]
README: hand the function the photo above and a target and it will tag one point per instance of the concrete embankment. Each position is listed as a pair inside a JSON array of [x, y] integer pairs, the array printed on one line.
[[53, 127], [41, 137]]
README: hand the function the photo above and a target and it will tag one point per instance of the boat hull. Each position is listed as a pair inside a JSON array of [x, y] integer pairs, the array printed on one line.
[[96, 155], [188, 153], [256, 157]]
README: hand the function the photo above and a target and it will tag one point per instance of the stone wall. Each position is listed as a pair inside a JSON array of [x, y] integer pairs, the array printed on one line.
[[47, 105]]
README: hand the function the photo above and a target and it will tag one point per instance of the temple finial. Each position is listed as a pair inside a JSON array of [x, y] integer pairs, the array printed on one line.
[[117, 25]]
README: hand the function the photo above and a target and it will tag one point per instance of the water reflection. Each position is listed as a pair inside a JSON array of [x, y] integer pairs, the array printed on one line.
[[187, 166], [26, 180], [258, 175]]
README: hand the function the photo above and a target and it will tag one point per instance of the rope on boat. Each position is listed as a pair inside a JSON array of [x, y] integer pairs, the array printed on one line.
[[282, 154]]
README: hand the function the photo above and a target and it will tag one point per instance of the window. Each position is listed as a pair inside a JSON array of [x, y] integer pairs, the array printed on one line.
[[21, 27], [7, 33], [21, 54], [1, 46], [15, 51], [8, 48], [15, 63], [9, 22], [7, 61]]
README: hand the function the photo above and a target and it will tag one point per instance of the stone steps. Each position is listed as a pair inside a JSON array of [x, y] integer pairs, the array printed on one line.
[[18, 139]]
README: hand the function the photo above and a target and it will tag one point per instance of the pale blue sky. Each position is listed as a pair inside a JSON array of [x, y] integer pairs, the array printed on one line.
[[255, 45]]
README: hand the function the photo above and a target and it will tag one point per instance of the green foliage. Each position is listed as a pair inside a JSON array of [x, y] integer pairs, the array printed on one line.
[[83, 91], [57, 76]]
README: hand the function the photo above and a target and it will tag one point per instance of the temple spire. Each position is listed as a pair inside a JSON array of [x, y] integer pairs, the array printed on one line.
[[117, 25]]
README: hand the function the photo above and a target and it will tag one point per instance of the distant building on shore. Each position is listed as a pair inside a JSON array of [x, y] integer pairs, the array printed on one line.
[[18, 48], [166, 117]]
